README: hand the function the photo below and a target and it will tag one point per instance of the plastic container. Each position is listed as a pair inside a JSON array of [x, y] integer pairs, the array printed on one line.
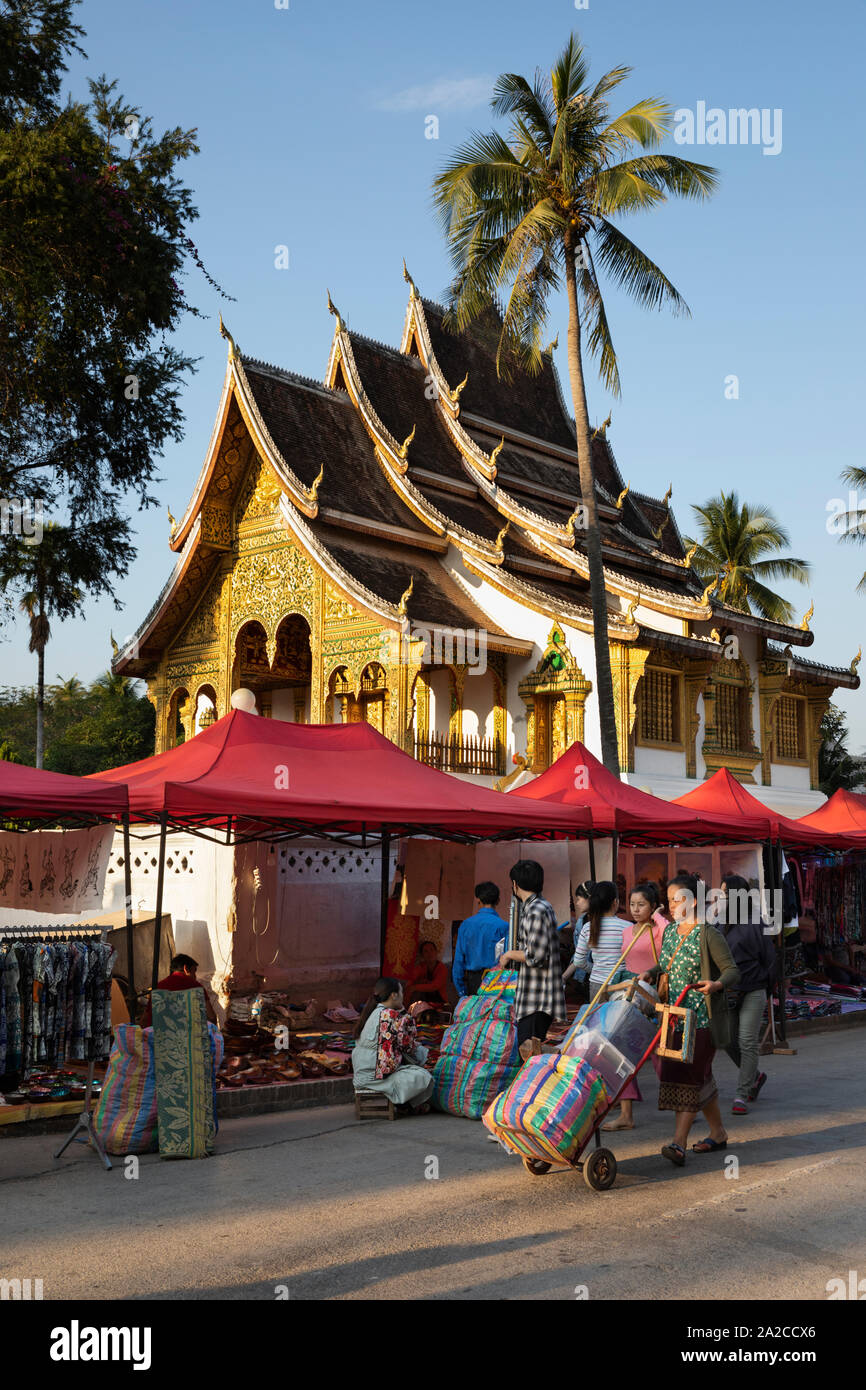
[[602, 1056], [623, 1025]]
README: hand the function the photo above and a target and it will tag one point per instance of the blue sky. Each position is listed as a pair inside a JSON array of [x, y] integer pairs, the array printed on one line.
[[311, 123]]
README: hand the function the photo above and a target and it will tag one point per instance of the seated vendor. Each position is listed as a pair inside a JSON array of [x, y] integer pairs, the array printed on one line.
[[428, 983], [183, 976], [387, 1055]]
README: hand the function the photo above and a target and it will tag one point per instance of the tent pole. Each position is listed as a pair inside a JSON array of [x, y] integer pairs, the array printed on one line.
[[614, 855], [131, 995], [160, 882], [591, 857], [780, 944], [385, 885]]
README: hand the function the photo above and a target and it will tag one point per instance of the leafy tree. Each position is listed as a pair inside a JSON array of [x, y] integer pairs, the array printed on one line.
[[523, 214], [837, 765], [7, 753], [855, 521], [55, 576], [93, 240], [740, 544], [87, 728]]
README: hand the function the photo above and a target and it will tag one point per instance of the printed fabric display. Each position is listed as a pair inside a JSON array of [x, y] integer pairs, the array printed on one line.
[[837, 891], [549, 1110], [55, 1003], [185, 1094], [59, 871], [126, 1118], [478, 1054]]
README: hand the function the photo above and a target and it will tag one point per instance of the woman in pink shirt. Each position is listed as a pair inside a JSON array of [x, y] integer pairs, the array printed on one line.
[[643, 906]]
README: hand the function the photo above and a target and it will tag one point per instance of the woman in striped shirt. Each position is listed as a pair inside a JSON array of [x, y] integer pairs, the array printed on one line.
[[601, 933]]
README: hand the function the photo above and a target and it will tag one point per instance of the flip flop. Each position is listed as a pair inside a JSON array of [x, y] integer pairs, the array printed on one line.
[[675, 1153], [619, 1124], [710, 1146], [759, 1082]]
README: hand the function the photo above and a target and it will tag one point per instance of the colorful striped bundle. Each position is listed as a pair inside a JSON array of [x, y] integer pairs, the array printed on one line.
[[549, 1110], [501, 982], [465, 1087], [478, 1054]]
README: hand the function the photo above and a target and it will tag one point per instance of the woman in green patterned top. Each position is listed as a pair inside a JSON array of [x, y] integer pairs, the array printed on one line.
[[695, 956]]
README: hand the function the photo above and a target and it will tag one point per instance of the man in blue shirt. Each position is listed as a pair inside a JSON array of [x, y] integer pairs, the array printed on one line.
[[477, 937]]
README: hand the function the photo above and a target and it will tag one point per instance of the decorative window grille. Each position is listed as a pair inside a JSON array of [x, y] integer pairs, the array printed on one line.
[[789, 731], [729, 704], [660, 707]]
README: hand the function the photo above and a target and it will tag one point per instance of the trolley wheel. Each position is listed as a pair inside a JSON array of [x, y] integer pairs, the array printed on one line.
[[536, 1166], [599, 1169]]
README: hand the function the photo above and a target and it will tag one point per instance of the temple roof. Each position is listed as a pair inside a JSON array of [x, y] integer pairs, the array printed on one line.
[[385, 480]]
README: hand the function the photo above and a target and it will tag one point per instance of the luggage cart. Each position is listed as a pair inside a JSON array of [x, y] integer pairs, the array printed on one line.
[[599, 1167]]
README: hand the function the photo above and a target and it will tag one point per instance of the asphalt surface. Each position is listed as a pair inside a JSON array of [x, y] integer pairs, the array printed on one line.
[[313, 1205]]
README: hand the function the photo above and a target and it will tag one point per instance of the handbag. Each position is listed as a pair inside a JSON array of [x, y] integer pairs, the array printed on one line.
[[663, 985]]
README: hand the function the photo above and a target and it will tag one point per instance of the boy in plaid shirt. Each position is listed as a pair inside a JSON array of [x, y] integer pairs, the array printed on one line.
[[540, 997]]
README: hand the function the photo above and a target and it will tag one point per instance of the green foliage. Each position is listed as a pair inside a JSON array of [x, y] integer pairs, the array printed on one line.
[[92, 246], [87, 728], [855, 521], [740, 545], [837, 766], [515, 210]]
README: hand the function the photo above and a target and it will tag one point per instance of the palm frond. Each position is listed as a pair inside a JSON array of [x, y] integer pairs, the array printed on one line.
[[633, 271]]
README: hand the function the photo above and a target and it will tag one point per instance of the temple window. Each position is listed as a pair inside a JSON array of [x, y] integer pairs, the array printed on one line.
[[790, 732], [660, 706]]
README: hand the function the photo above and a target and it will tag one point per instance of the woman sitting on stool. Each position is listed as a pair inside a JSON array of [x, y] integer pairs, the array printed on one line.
[[387, 1055]]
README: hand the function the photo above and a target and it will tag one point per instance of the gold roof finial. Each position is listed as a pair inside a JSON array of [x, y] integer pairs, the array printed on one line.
[[666, 500], [456, 393], [314, 490], [690, 555], [602, 429], [657, 534], [622, 496], [502, 534], [713, 584], [497, 451], [804, 626], [406, 596], [172, 523], [404, 447], [224, 333], [332, 309], [856, 662], [409, 281], [630, 611], [715, 635], [576, 515], [552, 346], [114, 647]]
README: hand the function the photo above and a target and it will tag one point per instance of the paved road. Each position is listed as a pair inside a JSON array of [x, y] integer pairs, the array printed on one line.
[[327, 1208]]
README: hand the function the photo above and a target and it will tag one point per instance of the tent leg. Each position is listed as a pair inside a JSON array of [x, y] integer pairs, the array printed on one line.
[[131, 997], [614, 853], [776, 858], [591, 857], [160, 883], [385, 885]]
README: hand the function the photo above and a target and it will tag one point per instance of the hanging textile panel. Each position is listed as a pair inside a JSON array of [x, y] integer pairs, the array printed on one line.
[[184, 1074], [59, 871], [55, 1002]]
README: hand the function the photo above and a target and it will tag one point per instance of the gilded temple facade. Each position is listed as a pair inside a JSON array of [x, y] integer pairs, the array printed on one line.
[[401, 543]]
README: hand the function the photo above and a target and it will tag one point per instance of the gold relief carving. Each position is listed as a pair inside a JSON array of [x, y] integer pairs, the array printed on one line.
[[337, 608], [627, 668], [697, 674], [422, 706], [186, 672], [203, 627], [216, 527], [556, 681], [260, 495], [268, 585]]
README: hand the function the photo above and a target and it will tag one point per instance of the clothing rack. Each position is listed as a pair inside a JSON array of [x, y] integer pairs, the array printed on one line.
[[47, 936]]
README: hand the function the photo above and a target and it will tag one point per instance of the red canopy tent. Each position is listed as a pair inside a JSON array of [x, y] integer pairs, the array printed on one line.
[[844, 814], [723, 795], [32, 794], [579, 779], [254, 778]]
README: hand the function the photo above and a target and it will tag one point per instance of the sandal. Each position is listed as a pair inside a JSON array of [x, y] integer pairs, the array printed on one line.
[[709, 1146], [760, 1079], [619, 1124], [675, 1153], [739, 1107]]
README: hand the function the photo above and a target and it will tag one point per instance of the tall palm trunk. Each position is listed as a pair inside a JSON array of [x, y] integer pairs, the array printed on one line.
[[597, 592], [40, 703]]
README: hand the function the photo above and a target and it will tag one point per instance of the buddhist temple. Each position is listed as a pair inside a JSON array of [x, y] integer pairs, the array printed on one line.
[[402, 543]]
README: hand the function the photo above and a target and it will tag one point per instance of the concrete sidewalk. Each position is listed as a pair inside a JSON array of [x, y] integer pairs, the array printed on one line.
[[324, 1207]]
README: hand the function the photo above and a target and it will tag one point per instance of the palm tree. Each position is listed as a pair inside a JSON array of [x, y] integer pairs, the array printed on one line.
[[522, 213], [54, 575], [7, 752], [855, 521], [739, 544]]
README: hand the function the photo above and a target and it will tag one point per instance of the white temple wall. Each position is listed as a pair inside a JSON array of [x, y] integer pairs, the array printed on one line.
[[657, 761]]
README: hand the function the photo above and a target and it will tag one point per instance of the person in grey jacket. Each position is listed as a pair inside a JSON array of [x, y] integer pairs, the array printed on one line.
[[694, 956], [739, 918]]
